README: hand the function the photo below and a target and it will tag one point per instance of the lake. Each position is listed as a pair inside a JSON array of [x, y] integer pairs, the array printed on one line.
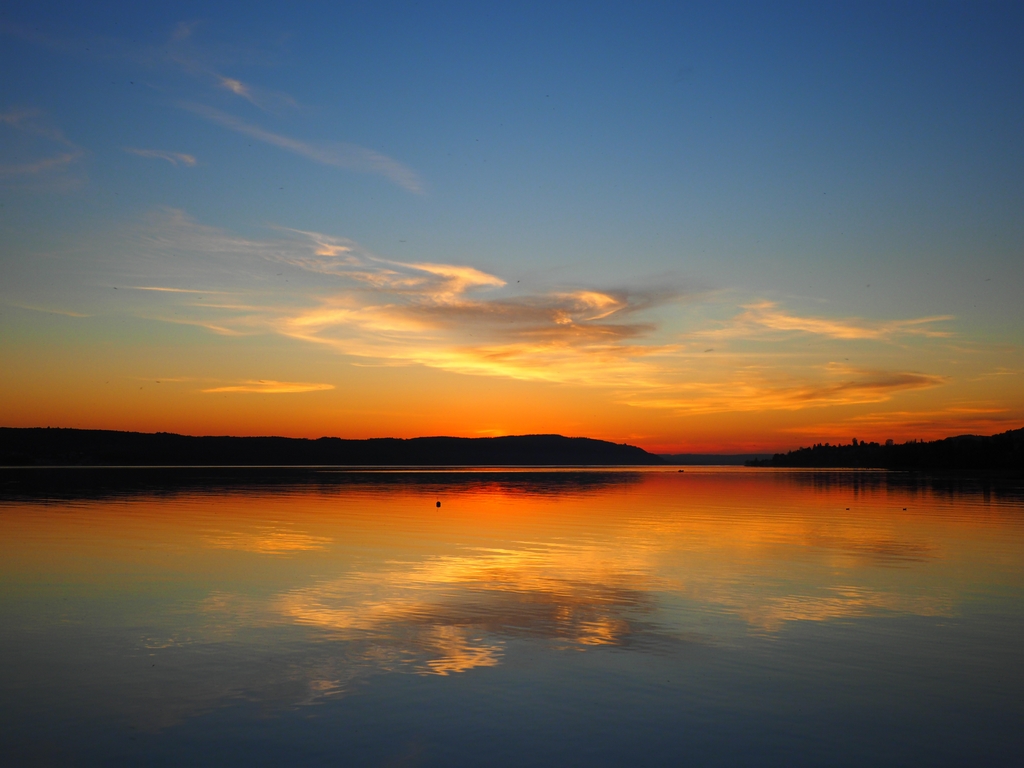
[[716, 616]]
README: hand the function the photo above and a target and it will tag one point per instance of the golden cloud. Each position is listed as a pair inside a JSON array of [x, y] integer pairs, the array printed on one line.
[[267, 387], [766, 314], [751, 391], [647, 346]]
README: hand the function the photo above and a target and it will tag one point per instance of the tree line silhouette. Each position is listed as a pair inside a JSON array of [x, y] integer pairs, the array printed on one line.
[[1004, 451]]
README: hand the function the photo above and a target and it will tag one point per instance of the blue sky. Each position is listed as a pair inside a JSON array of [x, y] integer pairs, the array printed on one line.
[[860, 162]]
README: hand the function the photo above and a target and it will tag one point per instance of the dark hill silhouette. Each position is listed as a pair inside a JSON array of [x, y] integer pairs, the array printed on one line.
[[1002, 452], [83, 447]]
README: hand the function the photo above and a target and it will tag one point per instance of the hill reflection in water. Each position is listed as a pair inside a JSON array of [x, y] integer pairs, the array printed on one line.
[[676, 605]]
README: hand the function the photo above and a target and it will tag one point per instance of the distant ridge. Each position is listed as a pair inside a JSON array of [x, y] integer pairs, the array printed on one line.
[[1003, 452], [84, 447]]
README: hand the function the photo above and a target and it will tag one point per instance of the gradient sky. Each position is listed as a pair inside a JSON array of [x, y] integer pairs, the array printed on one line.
[[719, 227]]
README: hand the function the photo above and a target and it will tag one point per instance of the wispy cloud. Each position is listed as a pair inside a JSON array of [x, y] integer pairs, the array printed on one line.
[[220, 330], [39, 166], [235, 86], [192, 57], [40, 136], [924, 423], [338, 155], [267, 387], [262, 98], [181, 52], [767, 314], [165, 289], [174, 158], [48, 310], [31, 121], [757, 390], [182, 31], [238, 88]]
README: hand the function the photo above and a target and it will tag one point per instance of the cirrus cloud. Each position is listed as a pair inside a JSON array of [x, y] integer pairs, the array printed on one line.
[[268, 387], [767, 314], [337, 154], [37, 162], [174, 158]]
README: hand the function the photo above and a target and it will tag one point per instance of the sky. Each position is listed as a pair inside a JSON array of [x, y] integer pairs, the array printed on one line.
[[705, 227]]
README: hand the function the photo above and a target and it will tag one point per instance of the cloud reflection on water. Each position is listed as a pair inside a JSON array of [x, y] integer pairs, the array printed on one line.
[[291, 595], [267, 540], [451, 614], [841, 602]]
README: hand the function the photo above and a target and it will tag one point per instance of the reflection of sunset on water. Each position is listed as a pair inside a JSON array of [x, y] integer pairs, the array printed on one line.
[[583, 567], [301, 594]]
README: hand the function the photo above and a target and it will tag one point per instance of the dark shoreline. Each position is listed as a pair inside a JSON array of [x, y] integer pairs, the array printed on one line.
[[965, 453], [79, 447], [59, 447]]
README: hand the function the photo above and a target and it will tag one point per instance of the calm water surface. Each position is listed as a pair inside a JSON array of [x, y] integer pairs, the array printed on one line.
[[711, 617]]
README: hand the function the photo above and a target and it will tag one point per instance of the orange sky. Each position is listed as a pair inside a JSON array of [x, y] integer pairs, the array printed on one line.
[[774, 380], [747, 252]]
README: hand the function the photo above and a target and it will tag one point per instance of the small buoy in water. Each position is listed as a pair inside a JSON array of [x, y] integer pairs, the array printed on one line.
[[439, 504], [680, 470]]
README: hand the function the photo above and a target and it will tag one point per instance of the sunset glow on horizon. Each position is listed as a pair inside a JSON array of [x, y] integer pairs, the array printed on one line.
[[691, 231]]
